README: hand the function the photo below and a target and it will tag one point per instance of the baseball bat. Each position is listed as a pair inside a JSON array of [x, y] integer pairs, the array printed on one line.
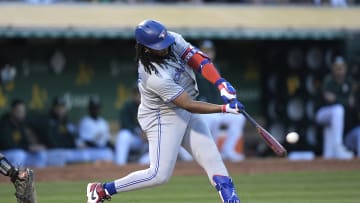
[[267, 137]]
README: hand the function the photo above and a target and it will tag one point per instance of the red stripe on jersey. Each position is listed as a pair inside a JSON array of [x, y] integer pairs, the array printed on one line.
[[185, 54]]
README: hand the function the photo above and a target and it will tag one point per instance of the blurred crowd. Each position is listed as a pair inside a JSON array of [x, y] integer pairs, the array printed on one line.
[[52, 139], [335, 3]]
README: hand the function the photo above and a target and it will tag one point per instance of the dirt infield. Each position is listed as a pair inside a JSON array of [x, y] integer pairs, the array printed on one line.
[[108, 171]]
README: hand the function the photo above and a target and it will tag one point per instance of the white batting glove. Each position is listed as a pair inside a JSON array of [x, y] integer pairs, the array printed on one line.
[[227, 91], [233, 107]]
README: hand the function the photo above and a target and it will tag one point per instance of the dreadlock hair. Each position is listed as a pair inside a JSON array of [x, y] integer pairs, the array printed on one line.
[[148, 59]]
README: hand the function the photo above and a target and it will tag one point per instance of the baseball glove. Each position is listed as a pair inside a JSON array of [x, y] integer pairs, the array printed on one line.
[[24, 186]]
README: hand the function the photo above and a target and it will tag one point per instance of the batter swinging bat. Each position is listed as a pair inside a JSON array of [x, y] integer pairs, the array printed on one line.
[[268, 138]]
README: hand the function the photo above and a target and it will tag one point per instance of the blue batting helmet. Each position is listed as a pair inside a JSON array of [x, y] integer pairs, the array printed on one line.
[[153, 35]]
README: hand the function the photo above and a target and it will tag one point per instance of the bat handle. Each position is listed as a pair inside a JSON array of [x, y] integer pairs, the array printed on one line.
[[249, 118]]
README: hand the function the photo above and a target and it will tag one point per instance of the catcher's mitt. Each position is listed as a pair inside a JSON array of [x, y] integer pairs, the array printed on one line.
[[24, 186]]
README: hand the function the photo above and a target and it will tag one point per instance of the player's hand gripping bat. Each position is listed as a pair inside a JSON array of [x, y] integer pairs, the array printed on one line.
[[267, 137]]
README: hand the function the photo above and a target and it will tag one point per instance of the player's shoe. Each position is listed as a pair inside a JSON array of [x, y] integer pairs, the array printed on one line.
[[226, 189], [96, 193]]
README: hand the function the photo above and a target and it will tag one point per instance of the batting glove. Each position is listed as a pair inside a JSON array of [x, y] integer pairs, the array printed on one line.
[[227, 91], [233, 107]]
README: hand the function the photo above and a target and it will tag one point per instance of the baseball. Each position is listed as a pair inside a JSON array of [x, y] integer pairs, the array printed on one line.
[[292, 137]]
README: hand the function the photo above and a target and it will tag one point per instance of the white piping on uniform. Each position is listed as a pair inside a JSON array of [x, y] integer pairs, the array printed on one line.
[[157, 160]]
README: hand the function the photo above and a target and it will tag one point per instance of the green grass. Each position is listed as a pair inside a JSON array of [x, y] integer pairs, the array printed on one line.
[[292, 187]]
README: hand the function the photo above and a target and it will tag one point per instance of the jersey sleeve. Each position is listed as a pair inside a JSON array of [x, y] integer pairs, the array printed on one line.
[[180, 45], [195, 59], [164, 87]]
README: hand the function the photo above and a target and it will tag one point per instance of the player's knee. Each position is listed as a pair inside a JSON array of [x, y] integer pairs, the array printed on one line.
[[161, 177], [160, 180]]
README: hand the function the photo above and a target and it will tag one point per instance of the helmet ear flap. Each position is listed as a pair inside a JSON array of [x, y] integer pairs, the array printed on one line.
[[153, 34]]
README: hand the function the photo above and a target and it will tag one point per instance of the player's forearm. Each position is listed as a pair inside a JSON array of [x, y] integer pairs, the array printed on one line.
[[185, 102], [203, 107]]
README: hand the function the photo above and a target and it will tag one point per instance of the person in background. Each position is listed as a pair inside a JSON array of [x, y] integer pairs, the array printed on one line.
[[94, 133], [227, 129], [130, 137], [17, 144], [336, 96], [60, 136]]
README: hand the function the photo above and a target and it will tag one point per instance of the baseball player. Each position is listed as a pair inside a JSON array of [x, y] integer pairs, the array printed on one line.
[[168, 113]]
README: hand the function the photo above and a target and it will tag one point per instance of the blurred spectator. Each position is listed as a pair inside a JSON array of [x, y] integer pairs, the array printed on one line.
[[61, 132], [42, 1], [336, 97], [227, 129], [130, 137], [59, 135], [94, 132], [333, 3], [16, 142]]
